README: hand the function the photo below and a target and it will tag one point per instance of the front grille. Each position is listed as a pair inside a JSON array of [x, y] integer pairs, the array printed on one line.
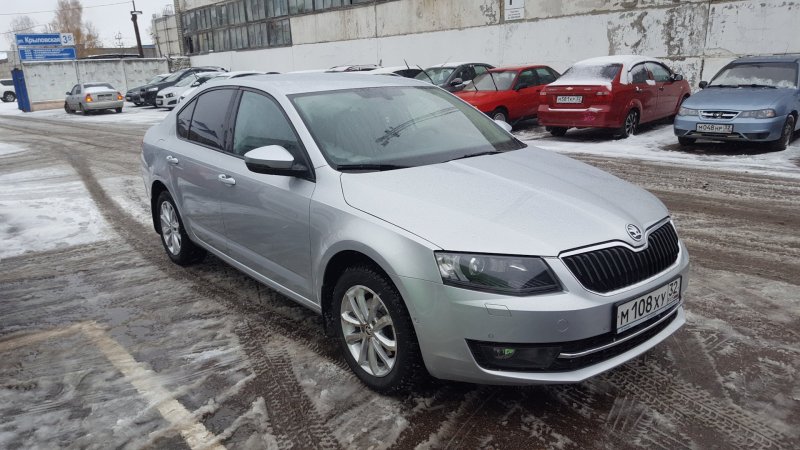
[[724, 115], [613, 268]]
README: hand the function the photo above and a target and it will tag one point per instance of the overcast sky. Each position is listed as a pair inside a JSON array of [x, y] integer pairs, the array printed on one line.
[[109, 20]]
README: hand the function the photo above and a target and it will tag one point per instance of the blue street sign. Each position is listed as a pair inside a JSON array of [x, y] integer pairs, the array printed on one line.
[[46, 54], [45, 39]]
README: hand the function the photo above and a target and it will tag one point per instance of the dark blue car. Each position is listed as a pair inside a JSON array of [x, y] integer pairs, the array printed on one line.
[[752, 99]]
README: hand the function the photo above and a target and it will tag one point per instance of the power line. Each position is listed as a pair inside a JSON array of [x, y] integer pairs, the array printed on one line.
[[66, 9]]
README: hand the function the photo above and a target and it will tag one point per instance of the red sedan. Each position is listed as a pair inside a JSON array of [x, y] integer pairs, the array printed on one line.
[[617, 92], [508, 93]]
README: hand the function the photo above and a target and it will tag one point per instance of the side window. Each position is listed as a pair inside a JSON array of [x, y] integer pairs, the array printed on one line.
[[210, 118], [77, 89], [463, 74], [527, 78], [660, 73], [545, 76], [480, 70], [260, 122], [639, 74], [184, 119]]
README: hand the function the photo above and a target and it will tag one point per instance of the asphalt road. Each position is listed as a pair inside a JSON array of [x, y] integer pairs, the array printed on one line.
[[109, 345]]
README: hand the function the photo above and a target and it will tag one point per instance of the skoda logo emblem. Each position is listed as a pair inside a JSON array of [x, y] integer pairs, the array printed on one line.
[[634, 232]]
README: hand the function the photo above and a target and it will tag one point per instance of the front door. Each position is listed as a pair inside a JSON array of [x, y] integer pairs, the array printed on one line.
[[646, 91], [669, 92], [267, 216]]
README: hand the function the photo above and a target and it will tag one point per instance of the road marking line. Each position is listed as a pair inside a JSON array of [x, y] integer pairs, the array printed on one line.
[[138, 374]]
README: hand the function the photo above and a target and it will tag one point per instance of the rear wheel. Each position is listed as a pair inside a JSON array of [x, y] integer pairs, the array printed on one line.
[[558, 131], [118, 110], [375, 330], [500, 114], [630, 124], [180, 249], [786, 135], [684, 141], [81, 109]]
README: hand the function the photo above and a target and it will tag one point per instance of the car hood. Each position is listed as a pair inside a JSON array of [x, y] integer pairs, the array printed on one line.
[[744, 98], [528, 201], [177, 90]]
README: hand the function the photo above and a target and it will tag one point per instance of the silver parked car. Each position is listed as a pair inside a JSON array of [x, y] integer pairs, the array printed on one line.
[[426, 235], [91, 97]]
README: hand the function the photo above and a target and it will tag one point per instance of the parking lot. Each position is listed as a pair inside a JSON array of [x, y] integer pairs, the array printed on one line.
[[107, 344]]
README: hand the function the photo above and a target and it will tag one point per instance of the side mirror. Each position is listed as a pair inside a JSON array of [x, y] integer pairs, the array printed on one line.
[[504, 125], [521, 86], [195, 84], [456, 82], [271, 160], [69, 93], [676, 77], [703, 84]]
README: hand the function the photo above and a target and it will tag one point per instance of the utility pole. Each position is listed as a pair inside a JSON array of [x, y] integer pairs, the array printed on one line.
[[134, 15]]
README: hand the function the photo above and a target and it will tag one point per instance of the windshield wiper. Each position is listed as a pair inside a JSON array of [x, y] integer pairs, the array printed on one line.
[[472, 155], [724, 85], [377, 167], [393, 132], [758, 86]]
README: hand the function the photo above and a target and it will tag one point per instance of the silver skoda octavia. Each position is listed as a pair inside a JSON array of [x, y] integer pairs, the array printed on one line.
[[427, 236]]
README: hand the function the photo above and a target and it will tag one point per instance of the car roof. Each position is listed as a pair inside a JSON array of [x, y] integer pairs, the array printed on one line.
[[298, 83], [517, 68], [791, 57], [627, 60], [456, 64]]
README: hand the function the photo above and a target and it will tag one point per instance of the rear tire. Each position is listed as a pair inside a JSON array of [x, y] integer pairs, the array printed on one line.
[[786, 135], [499, 114], [630, 125], [375, 330], [558, 131], [82, 109], [118, 110], [180, 249]]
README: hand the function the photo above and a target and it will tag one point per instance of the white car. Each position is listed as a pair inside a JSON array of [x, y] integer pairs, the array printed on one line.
[[168, 97], [218, 76], [8, 92]]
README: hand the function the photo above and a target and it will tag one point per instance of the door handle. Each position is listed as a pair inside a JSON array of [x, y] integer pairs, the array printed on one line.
[[224, 179], [638, 89], [661, 88], [172, 160]]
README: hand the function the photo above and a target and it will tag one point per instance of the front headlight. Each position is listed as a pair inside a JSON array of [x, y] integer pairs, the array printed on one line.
[[758, 114], [170, 95], [515, 275], [687, 111], [152, 89]]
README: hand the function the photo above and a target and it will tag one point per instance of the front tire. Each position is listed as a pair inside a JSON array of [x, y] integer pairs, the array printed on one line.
[[68, 109], [375, 330], [9, 97], [786, 135], [630, 124], [180, 249], [500, 114]]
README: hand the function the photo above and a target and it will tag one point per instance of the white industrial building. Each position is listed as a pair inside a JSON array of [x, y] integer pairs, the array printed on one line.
[[697, 36]]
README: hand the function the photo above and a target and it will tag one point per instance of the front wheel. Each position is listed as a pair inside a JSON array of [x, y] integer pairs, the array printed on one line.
[[630, 124], [786, 135], [9, 97], [375, 331], [68, 109], [180, 249]]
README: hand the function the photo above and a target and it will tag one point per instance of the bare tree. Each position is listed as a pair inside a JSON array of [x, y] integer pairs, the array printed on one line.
[[69, 19], [19, 24]]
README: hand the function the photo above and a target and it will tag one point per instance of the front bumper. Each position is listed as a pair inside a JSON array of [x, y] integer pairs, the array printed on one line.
[[447, 319], [162, 102], [597, 116], [749, 130], [133, 97], [103, 105]]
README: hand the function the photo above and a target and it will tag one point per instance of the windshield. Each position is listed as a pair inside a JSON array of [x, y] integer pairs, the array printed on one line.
[[395, 127], [778, 75], [157, 79], [96, 85], [491, 81], [439, 75], [585, 72], [172, 77], [186, 81]]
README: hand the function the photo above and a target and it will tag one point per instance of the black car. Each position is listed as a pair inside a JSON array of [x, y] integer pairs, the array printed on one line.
[[135, 95], [148, 92], [453, 76]]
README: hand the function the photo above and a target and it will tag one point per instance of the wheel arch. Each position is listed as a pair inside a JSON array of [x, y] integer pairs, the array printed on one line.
[[155, 190]]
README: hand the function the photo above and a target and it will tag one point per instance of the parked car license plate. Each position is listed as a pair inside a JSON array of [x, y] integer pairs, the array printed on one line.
[[638, 310], [714, 128], [569, 99]]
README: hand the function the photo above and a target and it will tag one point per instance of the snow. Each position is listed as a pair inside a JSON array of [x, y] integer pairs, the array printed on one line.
[[44, 209], [658, 143], [9, 149], [131, 114], [627, 62]]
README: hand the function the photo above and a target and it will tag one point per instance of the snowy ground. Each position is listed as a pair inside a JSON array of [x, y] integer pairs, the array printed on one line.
[[131, 114], [106, 344]]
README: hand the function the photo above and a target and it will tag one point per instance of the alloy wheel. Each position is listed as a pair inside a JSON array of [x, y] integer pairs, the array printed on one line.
[[630, 123], [170, 228], [368, 330]]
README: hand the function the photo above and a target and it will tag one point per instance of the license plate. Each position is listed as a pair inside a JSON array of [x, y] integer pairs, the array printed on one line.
[[569, 99], [638, 310], [714, 128]]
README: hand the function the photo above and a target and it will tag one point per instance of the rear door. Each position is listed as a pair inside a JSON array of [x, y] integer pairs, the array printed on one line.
[[195, 157], [267, 216], [645, 91], [669, 92]]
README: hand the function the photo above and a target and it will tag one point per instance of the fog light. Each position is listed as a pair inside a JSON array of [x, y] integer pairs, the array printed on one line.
[[519, 357]]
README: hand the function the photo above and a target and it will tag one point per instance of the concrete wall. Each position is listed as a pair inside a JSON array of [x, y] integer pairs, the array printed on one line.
[[47, 81], [696, 36]]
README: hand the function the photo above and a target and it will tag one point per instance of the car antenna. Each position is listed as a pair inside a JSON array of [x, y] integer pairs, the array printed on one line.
[[406, 63]]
